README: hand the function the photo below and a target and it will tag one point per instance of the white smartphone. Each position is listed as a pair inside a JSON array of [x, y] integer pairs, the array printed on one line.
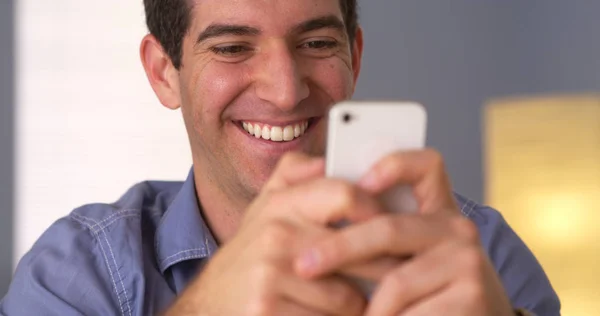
[[362, 133]]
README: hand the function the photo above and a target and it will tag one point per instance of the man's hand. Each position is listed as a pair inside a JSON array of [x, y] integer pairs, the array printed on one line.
[[448, 272], [253, 273]]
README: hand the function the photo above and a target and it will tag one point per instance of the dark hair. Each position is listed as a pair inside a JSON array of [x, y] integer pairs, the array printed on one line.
[[169, 21]]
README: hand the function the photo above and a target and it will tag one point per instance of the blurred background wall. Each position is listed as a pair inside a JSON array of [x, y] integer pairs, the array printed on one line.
[[6, 142], [88, 125], [454, 55]]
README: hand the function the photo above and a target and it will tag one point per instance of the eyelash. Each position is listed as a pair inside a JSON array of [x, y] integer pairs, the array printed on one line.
[[323, 44], [233, 50], [230, 50]]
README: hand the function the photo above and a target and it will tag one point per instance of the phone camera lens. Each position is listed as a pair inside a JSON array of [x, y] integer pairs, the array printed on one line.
[[347, 118]]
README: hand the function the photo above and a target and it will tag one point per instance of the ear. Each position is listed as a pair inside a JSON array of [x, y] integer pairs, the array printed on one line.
[[357, 52], [163, 76]]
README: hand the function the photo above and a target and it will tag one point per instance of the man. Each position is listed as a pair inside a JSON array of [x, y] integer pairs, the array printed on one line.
[[245, 73]]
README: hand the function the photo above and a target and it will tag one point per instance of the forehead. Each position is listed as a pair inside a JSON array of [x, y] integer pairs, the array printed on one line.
[[268, 15]]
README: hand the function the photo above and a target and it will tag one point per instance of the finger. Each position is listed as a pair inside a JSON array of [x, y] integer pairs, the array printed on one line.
[[423, 170], [372, 271], [286, 307], [366, 276], [473, 287], [391, 235], [445, 302], [331, 295], [293, 168], [325, 201], [417, 279]]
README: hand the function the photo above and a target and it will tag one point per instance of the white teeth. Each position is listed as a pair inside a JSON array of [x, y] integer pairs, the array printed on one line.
[[288, 133], [266, 133], [257, 131], [276, 133], [297, 131]]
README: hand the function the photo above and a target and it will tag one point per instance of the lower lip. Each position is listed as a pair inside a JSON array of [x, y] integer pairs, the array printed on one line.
[[283, 145]]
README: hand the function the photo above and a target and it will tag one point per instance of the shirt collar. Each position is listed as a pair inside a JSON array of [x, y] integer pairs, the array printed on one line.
[[182, 233]]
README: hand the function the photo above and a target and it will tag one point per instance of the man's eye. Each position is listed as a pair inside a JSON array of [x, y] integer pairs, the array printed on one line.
[[322, 44], [231, 50]]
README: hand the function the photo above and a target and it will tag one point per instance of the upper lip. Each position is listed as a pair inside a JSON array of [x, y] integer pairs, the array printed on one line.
[[271, 122]]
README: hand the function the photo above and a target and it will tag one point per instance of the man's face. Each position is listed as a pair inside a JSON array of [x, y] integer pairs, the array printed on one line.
[[268, 67]]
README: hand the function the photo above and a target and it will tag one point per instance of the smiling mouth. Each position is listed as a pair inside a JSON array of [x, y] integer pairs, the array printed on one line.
[[273, 133]]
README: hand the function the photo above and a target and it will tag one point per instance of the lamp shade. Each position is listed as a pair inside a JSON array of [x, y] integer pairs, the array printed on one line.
[[542, 171]]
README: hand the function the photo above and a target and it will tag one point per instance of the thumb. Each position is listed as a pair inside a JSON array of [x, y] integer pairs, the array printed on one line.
[[294, 168]]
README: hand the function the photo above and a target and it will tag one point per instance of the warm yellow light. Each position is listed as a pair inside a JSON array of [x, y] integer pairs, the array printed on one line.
[[542, 165], [558, 220], [580, 302]]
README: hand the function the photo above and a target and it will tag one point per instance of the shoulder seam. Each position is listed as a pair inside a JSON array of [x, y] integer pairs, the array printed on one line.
[[467, 207], [112, 218], [95, 227]]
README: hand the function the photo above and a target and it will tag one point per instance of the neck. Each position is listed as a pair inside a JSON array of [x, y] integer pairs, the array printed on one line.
[[221, 208]]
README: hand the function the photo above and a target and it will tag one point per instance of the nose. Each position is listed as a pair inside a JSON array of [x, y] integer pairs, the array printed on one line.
[[278, 78]]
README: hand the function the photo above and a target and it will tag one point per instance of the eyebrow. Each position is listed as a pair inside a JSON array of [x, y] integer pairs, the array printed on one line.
[[217, 30], [325, 22]]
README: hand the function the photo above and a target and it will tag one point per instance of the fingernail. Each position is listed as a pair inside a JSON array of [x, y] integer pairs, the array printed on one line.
[[308, 261], [369, 182]]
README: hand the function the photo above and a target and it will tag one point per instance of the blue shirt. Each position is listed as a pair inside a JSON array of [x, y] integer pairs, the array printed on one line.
[[135, 256]]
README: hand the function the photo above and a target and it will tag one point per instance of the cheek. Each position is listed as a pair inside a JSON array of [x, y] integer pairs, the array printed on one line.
[[334, 78], [214, 87]]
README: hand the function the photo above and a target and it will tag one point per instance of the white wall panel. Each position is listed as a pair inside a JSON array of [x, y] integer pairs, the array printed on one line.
[[88, 123]]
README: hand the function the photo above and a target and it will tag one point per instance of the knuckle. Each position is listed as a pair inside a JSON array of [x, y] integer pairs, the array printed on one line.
[[263, 278], [274, 199], [285, 164], [341, 297], [334, 249], [347, 194], [260, 307], [465, 228], [474, 295], [472, 259], [275, 237], [277, 202], [289, 159], [399, 282], [270, 203], [435, 156], [388, 228], [390, 164], [275, 230]]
